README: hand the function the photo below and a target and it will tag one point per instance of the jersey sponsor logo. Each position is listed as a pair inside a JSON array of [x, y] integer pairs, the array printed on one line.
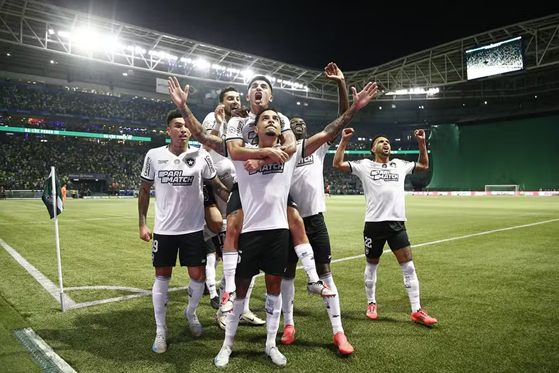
[[393, 164], [252, 138], [273, 168], [306, 161], [175, 178], [163, 161], [385, 175], [147, 168], [190, 162], [210, 164]]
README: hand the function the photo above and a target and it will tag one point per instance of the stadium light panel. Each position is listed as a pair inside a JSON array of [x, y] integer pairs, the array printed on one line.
[[51, 32], [248, 74], [414, 91], [202, 64]]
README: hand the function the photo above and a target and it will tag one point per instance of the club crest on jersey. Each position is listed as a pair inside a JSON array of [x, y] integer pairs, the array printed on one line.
[[190, 162], [385, 175], [306, 161], [175, 178], [273, 168]]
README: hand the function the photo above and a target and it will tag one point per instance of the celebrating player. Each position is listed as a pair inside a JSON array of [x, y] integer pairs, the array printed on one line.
[[216, 123], [307, 190], [383, 183], [177, 171]]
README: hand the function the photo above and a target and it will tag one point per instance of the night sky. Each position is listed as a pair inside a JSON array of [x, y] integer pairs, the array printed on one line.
[[354, 34]]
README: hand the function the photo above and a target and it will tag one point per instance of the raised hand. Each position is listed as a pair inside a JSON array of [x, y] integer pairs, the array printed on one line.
[[362, 98], [419, 135], [332, 72], [219, 113], [347, 133], [178, 96]]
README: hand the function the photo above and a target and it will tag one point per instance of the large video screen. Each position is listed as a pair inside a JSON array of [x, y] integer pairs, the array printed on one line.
[[494, 59]]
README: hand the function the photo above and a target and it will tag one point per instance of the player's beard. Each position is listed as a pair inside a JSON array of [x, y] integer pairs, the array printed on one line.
[[271, 133]]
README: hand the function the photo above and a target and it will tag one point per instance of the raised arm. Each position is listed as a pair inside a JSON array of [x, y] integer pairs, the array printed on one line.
[[335, 74], [179, 97], [143, 205], [423, 161], [331, 131], [339, 163]]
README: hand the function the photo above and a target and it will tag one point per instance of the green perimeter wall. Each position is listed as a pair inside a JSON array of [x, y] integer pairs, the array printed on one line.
[[523, 152]]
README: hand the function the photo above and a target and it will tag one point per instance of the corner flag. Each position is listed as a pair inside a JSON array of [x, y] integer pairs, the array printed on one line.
[[48, 195]]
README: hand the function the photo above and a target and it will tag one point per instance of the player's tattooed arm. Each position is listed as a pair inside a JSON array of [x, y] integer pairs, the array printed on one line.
[[179, 97], [423, 161], [331, 131], [220, 189], [143, 205], [333, 73], [289, 143], [238, 152], [339, 163]]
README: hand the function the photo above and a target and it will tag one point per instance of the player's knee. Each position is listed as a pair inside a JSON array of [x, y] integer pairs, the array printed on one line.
[[323, 269], [164, 271], [373, 260], [197, 273], [296, 227], [215, 225], [273, 284]]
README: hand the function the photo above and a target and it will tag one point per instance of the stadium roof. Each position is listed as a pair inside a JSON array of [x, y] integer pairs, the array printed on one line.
[[44, 27]]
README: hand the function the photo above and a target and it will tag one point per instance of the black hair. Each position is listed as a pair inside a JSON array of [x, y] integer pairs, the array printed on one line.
[[173, 114], [263, 110], [374, 139], [225, 90], [260, 77]]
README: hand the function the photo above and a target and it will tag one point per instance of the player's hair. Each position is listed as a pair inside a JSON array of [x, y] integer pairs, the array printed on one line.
[[225, 90], [260, 77], [375, 139], [173, 114], [263, 110]]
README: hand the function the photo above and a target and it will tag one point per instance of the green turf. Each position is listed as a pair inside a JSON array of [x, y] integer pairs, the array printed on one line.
[[13, 356], [495, 295]]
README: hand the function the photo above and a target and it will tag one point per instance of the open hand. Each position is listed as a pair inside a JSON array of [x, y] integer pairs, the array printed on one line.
[[178, 96], [362, 98]]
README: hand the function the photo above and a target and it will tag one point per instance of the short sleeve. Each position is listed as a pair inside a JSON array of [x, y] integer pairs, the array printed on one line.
[[407, 166], [285, 124], [356, 168], [148, 172], [209, 122], [235, 129], [208, 170]]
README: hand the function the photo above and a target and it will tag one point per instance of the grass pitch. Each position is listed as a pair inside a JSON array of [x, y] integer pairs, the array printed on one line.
[[495, 295]]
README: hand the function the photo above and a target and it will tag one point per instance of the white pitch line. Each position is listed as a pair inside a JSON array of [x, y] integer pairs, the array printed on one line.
[[108, 287], [37, 275], [70, 220], [454, 238], [143, 293]]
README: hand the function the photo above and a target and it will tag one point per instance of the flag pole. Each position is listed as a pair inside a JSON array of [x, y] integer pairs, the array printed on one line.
[[55, 207]]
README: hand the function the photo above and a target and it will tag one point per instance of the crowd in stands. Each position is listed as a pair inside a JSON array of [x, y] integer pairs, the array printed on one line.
[[61, 100], [25, 161]]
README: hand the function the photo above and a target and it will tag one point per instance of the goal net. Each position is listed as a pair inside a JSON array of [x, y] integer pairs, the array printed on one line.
[[504, 189]]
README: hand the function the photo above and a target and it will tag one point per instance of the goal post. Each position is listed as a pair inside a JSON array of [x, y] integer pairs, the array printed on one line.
[[502, 188]]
